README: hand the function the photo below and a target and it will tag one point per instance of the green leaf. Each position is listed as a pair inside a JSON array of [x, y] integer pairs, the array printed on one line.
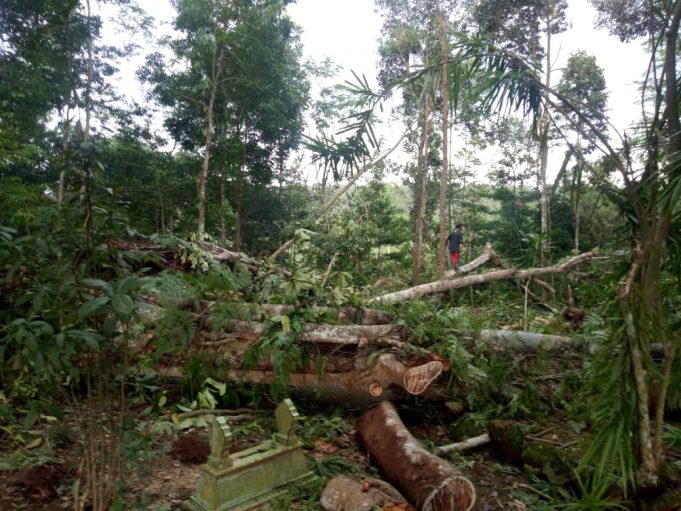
[[31, 341], [103, 285], [30, 418], [92, 306], [91, 342], [122, 304]]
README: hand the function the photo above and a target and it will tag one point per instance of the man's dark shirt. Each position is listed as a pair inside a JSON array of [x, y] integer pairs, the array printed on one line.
[[455, 238]]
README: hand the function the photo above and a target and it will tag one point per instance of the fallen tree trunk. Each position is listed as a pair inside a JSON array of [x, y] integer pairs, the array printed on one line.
[[227, 256], [444, 285], [344, 315], [172, 256], [486, 255], [519, 339], [377, 335], [371, 379], [427, 481]]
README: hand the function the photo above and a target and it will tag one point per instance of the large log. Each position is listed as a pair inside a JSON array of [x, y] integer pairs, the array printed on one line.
[[344, 315], [519, 339], [511, 273], [371, 379], [345, 494], [355, 335], [427, 481]]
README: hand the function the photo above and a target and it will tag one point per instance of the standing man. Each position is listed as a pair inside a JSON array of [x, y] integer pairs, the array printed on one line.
[[455, 240]]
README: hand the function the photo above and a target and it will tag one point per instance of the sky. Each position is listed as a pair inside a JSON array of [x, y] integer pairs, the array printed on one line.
[[347, 32]]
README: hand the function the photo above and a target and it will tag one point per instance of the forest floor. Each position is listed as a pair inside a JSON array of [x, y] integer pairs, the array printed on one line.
[[166, 472], [162, 463]]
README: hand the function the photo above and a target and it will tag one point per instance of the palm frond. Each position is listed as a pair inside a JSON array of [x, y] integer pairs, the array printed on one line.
[[494, 78]]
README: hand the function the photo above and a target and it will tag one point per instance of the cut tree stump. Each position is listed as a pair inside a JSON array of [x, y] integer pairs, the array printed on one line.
[[345, 494], [427, 481]]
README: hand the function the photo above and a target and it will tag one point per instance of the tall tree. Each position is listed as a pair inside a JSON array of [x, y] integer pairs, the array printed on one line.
[[583, 82], [652, 187], [519, 26], [238, 85], [444, 175]]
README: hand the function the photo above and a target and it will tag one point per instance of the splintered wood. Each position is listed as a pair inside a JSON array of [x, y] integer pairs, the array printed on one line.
[[425, 480]]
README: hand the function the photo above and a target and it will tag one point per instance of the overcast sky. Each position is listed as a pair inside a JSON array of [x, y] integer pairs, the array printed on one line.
[[347, 31]]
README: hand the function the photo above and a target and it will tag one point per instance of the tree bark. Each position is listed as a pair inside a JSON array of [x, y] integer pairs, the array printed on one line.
[[216, 73], [444, 176], [426, 481], [420, 216], [223, 224], [444, 285], [517, 339], [544, 151]]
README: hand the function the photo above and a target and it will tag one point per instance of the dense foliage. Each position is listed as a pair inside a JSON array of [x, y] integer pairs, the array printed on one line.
[[99, 212]]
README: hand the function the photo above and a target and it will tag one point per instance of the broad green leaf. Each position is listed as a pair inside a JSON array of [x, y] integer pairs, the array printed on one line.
[[91, 306], [122, 304], [102, 284]]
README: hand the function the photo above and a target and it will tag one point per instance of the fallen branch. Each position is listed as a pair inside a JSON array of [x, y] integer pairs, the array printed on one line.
[[444, 285], [332, 201], [464, 445], [328, 270]]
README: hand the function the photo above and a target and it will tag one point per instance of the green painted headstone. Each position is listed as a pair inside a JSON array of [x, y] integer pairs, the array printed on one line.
[[249, 479]]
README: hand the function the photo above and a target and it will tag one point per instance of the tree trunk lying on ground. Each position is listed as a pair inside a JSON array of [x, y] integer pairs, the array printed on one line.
[[171, 256], [356, 363], [519, 339], [487, 255], [511, 273], [426, 481], [344, 315], [369, 381]]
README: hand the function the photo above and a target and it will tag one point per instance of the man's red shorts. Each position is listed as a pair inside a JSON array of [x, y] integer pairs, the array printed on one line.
[[455, 258]]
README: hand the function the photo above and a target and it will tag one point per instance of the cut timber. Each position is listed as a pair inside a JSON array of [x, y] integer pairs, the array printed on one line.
[[444, 285], [345, 494], [369, 378], [375, 335], [344, 315], [428, 482], [518, 339]]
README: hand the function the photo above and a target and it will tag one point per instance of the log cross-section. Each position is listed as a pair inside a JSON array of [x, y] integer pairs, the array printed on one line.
[[426, 481]]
